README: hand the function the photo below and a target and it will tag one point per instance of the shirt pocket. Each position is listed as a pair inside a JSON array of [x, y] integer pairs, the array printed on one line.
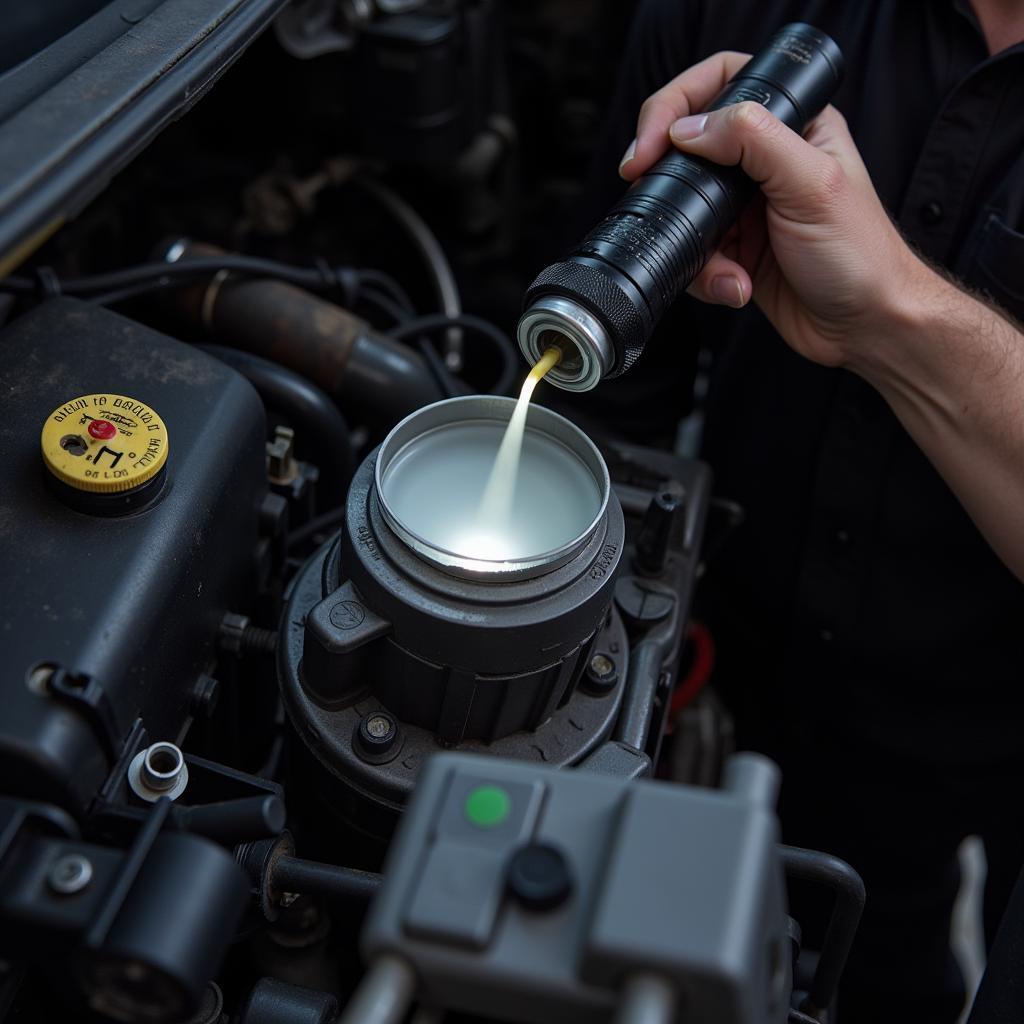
[[997, 269]]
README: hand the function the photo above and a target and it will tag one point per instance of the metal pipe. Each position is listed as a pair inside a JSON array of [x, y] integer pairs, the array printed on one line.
[[823, 868], [343, 885], [646, 999], [373, 377], [634, 724], [384, 995]]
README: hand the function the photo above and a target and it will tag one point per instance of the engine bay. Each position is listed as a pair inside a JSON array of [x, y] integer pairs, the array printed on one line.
[[262, 759]]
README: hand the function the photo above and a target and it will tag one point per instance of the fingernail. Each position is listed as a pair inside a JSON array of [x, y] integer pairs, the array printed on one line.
[[728, 290], [688, 127], [628, 155]]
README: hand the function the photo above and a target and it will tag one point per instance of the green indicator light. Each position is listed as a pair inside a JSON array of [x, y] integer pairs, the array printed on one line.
[[487, 806]]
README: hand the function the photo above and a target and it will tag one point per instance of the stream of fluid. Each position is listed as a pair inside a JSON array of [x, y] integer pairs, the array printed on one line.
[[494, 517]]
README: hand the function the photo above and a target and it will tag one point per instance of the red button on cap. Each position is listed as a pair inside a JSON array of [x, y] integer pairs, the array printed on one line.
[[102, 430]]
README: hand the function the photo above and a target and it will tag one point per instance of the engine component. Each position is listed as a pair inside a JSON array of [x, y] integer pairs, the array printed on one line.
[[426, 70], [516, 891], [601, 303], [277, 1002], [311, 28], [324, 432], [147, 926], [158, 771], [107, 446], [457, 656], [428, 479], [158, 705], [375, 378], [116, 616]]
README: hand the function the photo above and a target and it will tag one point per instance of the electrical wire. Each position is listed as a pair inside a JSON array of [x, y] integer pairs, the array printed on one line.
[[449, 385], [394, 291], [153, 276], [372, 286], [499, 340], [446, 380], [430, 248], [131, 291], [320, 524], [702, 660], [387, 305]]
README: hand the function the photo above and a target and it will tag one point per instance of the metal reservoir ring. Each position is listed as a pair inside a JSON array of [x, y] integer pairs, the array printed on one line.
[[456, 416]]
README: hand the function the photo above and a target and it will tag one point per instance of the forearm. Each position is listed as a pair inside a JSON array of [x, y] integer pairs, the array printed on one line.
[[952, 369]]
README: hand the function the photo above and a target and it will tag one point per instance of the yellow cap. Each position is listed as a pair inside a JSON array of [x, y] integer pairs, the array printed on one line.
[[104, 443]]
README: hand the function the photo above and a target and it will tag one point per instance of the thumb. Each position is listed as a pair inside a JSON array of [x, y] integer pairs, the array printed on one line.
[[799, 179]]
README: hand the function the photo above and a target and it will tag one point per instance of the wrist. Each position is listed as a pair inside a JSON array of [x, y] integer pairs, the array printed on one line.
[[900, 344]]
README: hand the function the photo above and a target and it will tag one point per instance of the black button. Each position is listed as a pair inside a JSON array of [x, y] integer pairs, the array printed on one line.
[[539, 876], [826, 635], [932, 213], [842, 538]]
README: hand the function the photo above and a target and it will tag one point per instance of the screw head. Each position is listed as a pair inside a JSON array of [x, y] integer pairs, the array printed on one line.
[[377, 732], [602, 673], [70, 874]]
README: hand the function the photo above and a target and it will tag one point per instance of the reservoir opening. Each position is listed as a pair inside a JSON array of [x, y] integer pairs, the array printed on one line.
[[433, 482]]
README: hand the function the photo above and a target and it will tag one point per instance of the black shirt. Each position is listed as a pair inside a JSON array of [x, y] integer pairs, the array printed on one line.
[[858, 597]]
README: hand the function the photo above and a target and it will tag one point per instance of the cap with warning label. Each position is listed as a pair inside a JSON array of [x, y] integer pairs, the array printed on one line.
[[104, 443]]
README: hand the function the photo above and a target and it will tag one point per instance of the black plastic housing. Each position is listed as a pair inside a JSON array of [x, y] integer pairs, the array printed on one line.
[[658, 237], [462, 658], [125, 608], [426, 71], [168, 936]]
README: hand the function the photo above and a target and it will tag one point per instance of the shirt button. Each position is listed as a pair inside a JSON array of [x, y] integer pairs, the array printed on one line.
[[932, 212], [842, 537], [825, 635]]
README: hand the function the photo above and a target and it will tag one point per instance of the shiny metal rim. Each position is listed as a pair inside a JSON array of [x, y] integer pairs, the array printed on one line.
[[596, 355], [459, 411]]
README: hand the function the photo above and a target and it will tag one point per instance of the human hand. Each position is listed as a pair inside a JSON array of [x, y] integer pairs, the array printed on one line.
[[816, 250]]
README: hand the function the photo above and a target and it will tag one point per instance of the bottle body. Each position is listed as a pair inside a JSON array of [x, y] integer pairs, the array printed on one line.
[[608, 294]]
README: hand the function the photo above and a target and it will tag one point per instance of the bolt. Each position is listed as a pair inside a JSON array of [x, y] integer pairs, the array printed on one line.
[[232, 627], [378, 726], [240, 636], [602, 674], [281, 465], [377, 732], [256, 640], [39, 679], [204, 696], [70, 874]]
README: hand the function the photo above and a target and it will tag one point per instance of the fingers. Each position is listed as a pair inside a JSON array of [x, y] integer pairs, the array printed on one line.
[[692, 90], [722, 282], [799, 178]]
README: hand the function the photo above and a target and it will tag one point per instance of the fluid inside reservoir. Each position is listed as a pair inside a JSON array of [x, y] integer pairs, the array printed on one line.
[[435, 486]]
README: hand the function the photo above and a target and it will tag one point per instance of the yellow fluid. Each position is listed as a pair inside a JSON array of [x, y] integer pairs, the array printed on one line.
[[494, 514]]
